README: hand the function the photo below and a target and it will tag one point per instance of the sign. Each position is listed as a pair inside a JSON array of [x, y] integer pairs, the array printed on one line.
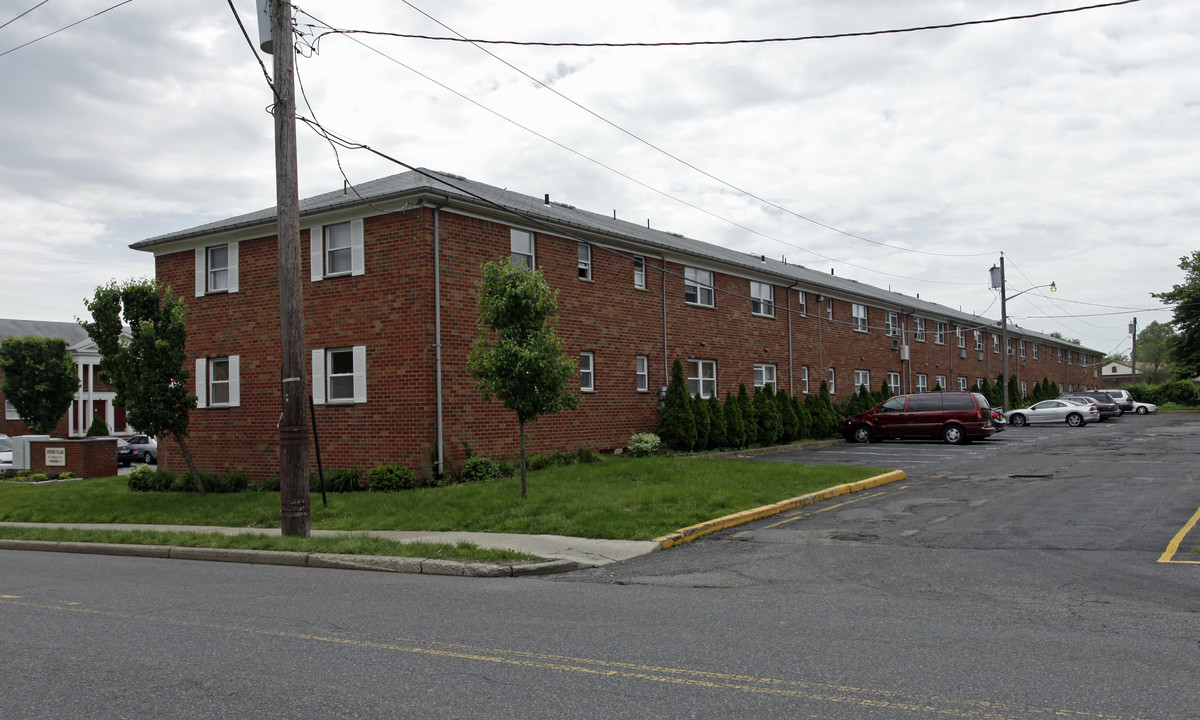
[[56, 456]]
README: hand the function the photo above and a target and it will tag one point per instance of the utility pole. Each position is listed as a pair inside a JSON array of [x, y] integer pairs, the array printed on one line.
[[295, 519], [1133, 354], [998, 282]]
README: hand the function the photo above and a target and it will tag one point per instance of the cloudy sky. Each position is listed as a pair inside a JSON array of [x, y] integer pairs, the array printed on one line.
[[909, 161]]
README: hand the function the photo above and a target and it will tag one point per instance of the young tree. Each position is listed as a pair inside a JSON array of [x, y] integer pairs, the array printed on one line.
[[749, 417], [787, 411], [517, 357], [147, 371], [39, 379], [735, 428], [717, 433], [703, 421], [767, 415], [677, 422]]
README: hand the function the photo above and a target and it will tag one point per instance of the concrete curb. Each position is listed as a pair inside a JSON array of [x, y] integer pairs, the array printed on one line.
[[379, 563], [688, 534]]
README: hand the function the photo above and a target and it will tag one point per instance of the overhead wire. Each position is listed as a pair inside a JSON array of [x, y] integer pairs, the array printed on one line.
[[66, 27], [35, 7]]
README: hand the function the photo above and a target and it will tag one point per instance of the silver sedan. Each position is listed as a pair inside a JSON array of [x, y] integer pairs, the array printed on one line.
[[1052, 411]]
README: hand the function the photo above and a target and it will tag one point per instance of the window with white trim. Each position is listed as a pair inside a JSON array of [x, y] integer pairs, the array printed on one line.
[[803, 303], [962, 384], [1024, 388], [639, 272], [832, 381], [764, 374], [961, 337], [919, 329], [804, 379], [336, 250], [922, 382], [217, 269], [698, 286], [894, 382], [995, 344], [978, 339], [585, 262], [1035, 351], [862, 378], [10, 411], [979, 383], [891, 322], [641, 368], [521, 247], [859, 314], [1021, 348], [1060, 363], [702, 378], [587, 377], [939, 381], [939, 332], [829, 308], [762, 298], [339, 375], [218, 382]]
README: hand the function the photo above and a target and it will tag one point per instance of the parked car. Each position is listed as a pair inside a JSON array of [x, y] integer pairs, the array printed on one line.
[[1143, 408], [1108, 407], [5, 452], [147, 448], [1052, 411], [1122, 398], [126, 453], [955, 417]]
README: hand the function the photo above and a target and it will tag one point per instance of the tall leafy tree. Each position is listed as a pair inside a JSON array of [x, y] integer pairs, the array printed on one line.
[[1153, 352], [517, 357], [39, 379], [1185, 298], [147, 371]]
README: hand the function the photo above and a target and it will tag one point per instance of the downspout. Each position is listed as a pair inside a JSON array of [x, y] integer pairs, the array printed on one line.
[[666, 362], [791, 383], [437, 331]]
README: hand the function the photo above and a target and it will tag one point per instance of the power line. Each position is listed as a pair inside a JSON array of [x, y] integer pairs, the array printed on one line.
[[35, 7], [757, 41], [67, 27]]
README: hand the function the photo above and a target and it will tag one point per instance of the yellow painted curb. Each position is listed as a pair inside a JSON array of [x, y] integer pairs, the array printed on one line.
[[699, 530]]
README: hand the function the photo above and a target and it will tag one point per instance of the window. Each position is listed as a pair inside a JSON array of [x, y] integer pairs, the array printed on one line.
[[762, 298], [641, 367], [940, 382], [639, 272], [995, 343], [803, 308], [829, 308], [939, 332], [521, 245], [978, 339], [894, 382], [340, 375], [1035, 351], [764, 375], [1010, 347], [832, 381], [862, 378], [1024, 388], [217, 269], [961, 337], [979, 382], [1070, 355], [892, 322], [702, 378], [962, 384], [698, 286], [218, 382], [1060, 362], [804, 379], [919, 330], [922, 383], [859, 313], [585, 262], [587, 378], [1021, 346], [10, 411], [336, 250]]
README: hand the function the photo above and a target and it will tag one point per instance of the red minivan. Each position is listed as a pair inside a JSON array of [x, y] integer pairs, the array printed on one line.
[[955, 417]]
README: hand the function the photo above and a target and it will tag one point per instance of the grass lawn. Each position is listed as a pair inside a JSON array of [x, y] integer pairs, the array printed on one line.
[[619, 498]]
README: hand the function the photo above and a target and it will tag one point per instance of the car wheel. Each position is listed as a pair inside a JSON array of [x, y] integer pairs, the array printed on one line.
[[954, 434], [1017, 421], [147, 458], [1075, 420], [1142, 411], [862, 434]]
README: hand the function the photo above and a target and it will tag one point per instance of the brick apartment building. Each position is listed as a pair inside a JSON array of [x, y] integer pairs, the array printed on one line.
[[92, 399], [390, 280]]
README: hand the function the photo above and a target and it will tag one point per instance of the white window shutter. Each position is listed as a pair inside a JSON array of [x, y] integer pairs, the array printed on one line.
[[201, 271], [233, 267], [360, 373], [318, 376], [235, 381], [201, 382], [357, 256], [316, 252]]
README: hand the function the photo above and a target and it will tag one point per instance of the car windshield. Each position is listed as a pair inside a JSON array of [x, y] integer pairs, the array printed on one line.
[[5, 444]]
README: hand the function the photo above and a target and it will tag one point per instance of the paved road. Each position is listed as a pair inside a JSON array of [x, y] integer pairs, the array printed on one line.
[[1011, 579]]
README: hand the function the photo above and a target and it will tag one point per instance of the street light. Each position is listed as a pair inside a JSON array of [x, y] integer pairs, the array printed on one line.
[[997, 274]]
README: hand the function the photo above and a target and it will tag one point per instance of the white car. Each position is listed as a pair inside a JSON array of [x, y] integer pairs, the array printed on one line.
[[1142, 408], [5, 452], [1051, 411]]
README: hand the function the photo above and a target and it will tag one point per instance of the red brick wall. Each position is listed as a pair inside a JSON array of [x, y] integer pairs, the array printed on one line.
[[390, 310], [85, 458]]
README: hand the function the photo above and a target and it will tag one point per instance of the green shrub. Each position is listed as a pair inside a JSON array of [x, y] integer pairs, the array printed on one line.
[[554, 459], [787, 414], [735, 428], [643, 444], [718, 434], [749, 417], [98, 428], [38, 477], [766, 413], [233, 481], [583, 456], [344, 481], [271, 484], [676, 422], [703, 422], [479, 469], [66, 475], [144, 478], [390, 478]]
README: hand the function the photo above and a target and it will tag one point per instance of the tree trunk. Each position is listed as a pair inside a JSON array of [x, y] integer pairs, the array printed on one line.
[[187, 458], [524, 494]]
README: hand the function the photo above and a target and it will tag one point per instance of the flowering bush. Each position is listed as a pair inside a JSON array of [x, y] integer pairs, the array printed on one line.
[[644, 444]]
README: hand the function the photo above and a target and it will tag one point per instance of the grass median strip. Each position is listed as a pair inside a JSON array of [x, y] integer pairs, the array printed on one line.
[[619, 498]]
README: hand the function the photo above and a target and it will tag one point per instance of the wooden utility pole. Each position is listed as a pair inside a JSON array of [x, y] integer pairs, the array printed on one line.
[[295, 517]]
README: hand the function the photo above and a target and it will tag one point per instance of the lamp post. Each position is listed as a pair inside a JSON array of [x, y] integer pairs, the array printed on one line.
[[997, 274]]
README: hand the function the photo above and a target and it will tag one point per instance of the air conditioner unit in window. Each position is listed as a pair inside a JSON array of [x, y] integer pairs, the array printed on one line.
[[980, 357], [962, 354], [895, 344], [1012, 352], [904, 355]]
